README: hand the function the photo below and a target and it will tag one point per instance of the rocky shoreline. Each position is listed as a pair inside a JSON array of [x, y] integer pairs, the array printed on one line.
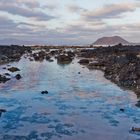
[[121, 64]]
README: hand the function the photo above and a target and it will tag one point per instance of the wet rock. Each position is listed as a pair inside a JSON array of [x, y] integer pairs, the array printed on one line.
[[2, 111], [13, 69], [3, 79], [84, 61], [64, 59], [18, 77], [135, 129], [44, 92]]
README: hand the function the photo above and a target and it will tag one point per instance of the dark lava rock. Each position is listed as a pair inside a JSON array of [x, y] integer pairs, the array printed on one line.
[[13, 69], [84, 61], [18, 77], [122, 109], [2, 111], [135, 129], [44, 92], [64, 59], [3, 79]]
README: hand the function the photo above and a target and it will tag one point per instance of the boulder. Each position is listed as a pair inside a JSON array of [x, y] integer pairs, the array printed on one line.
[[64, 59]]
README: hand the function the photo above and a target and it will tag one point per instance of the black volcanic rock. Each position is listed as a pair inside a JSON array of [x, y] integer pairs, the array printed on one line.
[[114, 40]]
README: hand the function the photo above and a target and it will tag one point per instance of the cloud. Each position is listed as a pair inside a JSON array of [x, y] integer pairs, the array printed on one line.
[[75, 8], [109, 11], [84, 27], [28, 9]]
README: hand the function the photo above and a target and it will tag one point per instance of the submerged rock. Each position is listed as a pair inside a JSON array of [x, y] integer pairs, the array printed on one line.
[[122, 109], [13, 69]]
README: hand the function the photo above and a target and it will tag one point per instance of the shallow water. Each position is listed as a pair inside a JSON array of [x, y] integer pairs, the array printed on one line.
[[82, 106]]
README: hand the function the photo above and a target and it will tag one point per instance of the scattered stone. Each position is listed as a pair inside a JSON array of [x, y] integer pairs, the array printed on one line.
[[44, 92], [13, 69], [18, 77]]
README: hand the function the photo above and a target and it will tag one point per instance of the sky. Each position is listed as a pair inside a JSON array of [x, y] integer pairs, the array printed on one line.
[[68, 22]]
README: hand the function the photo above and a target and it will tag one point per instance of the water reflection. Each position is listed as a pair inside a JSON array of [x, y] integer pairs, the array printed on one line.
[[78, 106]]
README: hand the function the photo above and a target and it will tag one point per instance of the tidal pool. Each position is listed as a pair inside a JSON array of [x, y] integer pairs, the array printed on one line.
[[82, 106]]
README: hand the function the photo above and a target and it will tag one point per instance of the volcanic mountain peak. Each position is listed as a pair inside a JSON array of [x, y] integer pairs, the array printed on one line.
[[111, 41]]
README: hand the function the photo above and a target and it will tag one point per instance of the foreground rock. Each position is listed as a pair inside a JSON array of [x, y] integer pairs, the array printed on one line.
[[13, 69]]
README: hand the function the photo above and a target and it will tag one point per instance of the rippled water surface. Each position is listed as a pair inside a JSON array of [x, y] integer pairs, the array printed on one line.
[[82, 106]]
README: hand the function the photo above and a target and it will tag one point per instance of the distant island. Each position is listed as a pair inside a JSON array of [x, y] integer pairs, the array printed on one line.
[[113, 40]]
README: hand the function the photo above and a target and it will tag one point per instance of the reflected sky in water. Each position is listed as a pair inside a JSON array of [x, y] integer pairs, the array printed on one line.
[[78, 106]]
